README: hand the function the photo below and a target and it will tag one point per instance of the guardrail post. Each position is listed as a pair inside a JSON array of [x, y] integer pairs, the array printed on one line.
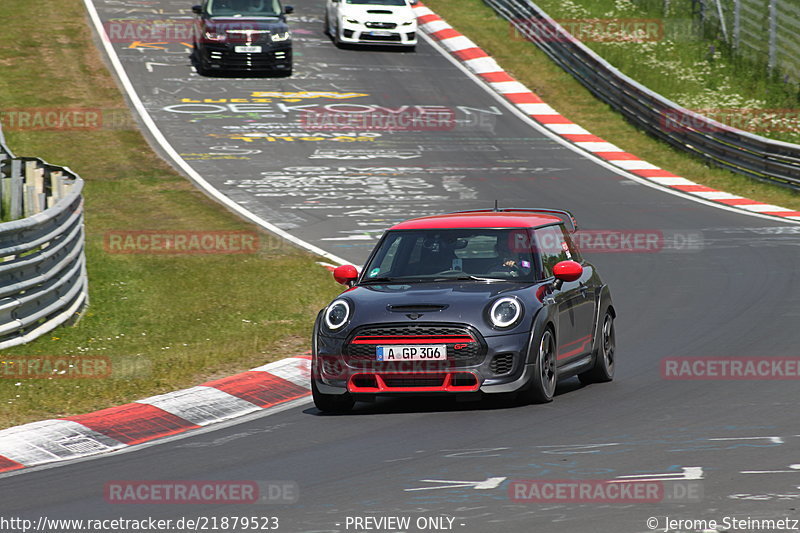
[[773, 35]]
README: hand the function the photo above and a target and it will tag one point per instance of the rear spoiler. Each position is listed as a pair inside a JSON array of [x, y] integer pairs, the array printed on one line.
[[566, 216]]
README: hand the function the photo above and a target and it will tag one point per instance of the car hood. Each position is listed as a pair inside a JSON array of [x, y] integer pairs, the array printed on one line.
[[459, 302], [221, 24], [364, 13]]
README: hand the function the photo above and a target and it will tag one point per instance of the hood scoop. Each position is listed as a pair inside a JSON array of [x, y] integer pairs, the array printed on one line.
[[379, 12], [416, 308]]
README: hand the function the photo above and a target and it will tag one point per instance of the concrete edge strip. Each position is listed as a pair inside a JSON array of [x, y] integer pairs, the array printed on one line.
[[120, 427], [479, 63]]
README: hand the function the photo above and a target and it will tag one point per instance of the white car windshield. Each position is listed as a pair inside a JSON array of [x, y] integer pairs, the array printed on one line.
[[244, 8], [377, 2]]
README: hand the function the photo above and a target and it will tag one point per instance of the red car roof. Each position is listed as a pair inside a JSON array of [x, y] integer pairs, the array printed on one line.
[[486, 219]]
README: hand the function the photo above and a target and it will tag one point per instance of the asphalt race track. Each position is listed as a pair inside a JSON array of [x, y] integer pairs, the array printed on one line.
[[721, 284]]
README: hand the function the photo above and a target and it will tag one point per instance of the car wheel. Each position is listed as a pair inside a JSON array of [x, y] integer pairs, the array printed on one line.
[[542, 385], [603, 368], [331, 403], [336, 39]]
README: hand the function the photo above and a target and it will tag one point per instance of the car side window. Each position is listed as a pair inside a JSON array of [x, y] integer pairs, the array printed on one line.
[[553, 247]]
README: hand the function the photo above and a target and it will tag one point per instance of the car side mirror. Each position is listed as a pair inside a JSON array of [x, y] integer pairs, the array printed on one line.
[[566, 271], [288, 10], [345, 274], [197, 10]]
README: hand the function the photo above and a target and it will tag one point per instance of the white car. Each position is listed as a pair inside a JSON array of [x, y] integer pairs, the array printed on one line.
[[379, 22]]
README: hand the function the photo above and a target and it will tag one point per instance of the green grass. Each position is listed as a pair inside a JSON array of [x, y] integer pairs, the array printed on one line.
[[688, 64], [533, 68], [165, 322]]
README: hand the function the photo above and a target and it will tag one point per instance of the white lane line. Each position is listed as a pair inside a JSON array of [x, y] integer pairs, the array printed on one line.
[[162, 141]]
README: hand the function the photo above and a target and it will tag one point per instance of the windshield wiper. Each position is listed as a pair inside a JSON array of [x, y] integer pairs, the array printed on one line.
[[464, 277]]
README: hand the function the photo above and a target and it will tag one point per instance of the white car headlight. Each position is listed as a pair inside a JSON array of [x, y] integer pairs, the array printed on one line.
[[505, 312], [277, 37], [337, 314]]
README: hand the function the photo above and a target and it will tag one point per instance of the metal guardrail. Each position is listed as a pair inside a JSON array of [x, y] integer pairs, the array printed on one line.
[[742, 152], [767, 30], [43, 280]]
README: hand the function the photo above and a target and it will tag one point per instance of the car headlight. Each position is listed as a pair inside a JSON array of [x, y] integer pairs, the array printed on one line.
[[351, 21], [337, 314], [278, 37], [505, 312], [213, 36]]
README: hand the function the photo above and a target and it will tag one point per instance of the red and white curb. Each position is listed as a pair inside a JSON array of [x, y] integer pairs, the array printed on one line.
[[481, 64], [116, 428]]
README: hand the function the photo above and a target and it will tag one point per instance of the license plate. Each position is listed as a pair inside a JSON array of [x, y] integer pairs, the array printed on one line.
[[248, 49], [379, 33], [397, 352]]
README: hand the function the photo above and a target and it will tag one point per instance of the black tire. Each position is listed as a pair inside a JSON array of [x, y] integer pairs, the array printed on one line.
[[604, 356], [542, 385], [331, 403]]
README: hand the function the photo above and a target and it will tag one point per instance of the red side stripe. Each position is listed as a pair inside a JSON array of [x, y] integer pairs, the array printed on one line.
[[470, 53], [739, 201], [424, 19], [617, 156], [583, 137], [654, 173], [445, 34], [133, 423], [782, 213], [7, 465], [523, 98], [552, 119], [260, 388], [496, 77], [693, 188]]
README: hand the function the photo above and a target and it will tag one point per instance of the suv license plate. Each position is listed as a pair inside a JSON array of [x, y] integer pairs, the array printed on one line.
[[248, 49]]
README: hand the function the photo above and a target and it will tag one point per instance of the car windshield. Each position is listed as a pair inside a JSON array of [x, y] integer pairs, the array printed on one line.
[[440, 255], [378, 2], [244, 8]]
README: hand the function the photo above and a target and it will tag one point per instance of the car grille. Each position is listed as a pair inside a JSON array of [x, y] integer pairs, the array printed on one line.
[[381, 25], [395, 37], [416, 381], [235, 60], [465, 346], [502, 363]]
